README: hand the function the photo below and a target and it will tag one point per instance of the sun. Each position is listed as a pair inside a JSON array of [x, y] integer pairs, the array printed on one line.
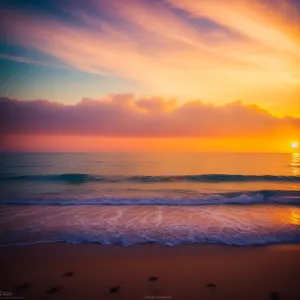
[[294, 145]]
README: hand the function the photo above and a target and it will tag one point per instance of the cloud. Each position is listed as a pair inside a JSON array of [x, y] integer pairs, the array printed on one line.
[[124, 115], [240, 49], [25, 60], [273, 23]]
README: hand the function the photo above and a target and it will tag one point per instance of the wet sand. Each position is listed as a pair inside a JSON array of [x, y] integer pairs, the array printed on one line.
[[199, 271]]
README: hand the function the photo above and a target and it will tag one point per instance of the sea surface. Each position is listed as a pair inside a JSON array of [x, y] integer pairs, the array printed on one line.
[[132, 198]]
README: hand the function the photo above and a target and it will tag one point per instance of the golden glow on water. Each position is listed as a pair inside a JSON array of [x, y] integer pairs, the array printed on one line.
[[295, 218], [295, 164]]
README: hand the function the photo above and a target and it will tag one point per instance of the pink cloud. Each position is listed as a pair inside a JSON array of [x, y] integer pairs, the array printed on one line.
[[127, 116]]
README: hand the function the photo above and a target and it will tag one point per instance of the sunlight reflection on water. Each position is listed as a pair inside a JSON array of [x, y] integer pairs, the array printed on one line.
[[295, 218], [295, 164]]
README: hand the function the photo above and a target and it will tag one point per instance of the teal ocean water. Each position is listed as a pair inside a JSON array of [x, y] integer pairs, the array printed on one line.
[[130, 198]]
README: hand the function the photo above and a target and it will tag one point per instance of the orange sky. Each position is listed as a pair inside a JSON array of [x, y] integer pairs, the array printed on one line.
[[94, 144], [117, 78]]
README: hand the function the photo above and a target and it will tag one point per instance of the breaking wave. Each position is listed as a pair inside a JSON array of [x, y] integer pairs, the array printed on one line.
[[213, 178], [242, 198]]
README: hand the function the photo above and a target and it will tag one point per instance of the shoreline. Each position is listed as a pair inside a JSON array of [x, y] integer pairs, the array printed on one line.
[[203, 244], [183, 271]]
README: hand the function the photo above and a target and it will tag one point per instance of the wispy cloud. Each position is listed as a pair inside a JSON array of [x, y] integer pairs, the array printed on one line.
[[26, 60], [244, 46], [268, 22]]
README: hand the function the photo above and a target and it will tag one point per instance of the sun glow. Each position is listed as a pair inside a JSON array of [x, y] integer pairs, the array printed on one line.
[[295, 145]]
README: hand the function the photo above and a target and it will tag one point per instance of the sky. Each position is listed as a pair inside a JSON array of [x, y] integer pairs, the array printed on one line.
[[139, 75]]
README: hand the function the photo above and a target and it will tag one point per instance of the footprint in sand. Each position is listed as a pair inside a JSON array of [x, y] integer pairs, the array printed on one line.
[[68, 274], [115, 289], [209, 285], [153, 278], [54, 290], [275, 296]]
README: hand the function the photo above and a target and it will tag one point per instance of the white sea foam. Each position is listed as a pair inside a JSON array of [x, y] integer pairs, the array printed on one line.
[[170, 225], [186, 198]]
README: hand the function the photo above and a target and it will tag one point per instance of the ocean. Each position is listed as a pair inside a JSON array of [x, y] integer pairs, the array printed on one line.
[[132, 198]]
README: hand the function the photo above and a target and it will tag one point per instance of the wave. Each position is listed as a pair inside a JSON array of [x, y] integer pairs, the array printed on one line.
[[80, 178], [130, 225], [237, 241], [241, 198]]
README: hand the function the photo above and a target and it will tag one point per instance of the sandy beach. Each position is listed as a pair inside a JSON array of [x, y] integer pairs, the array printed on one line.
[[199, 271]]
